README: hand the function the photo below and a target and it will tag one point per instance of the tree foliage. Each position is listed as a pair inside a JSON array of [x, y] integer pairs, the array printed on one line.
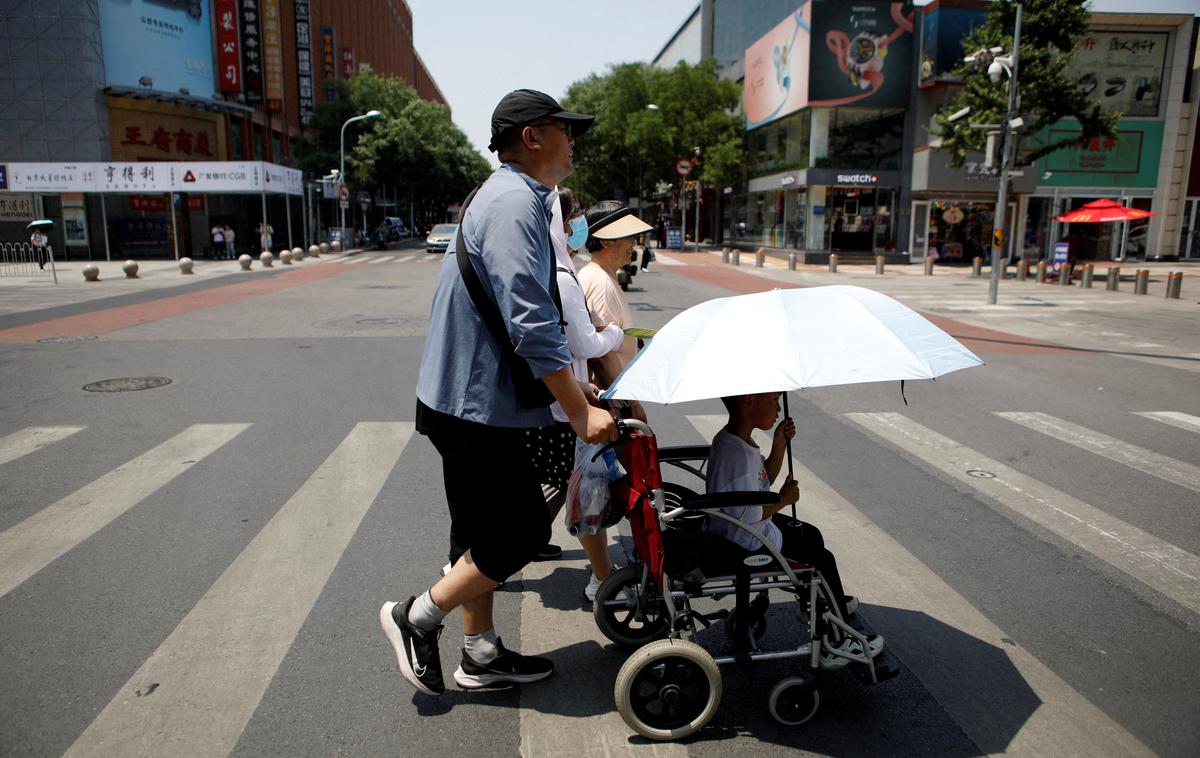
[[1046, 91], [631, 143], [413, 149]]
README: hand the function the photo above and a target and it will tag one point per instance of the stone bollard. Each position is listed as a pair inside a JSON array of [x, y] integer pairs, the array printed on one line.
[[737, 257], [285, 257], [724, 255], [833, 263], [1085, 280], [928, 266], [314, 251], [335, 246], [324, 248], [244, 261], [1022, 269], [760, 256], [1114, 279], [297, 254], [791, 261], [1174, 284], [879, 264], [91, 273], [1141, 282], [130, 268], [1041, 272], [977, 267], [185, 266], [1064, 275], [1004, 267], [267, 259]]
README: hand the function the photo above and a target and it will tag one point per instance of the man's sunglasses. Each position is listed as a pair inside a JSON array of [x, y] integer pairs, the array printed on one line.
[[566, 127]]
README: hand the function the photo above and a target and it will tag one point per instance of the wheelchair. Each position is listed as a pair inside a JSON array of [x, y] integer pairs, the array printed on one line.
[[670, 686]]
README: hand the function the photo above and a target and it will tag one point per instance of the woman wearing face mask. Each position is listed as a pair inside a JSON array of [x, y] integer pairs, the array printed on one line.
[[568, 233]]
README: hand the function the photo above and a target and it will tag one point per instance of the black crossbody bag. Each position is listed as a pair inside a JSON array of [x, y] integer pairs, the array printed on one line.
[[531, 392]]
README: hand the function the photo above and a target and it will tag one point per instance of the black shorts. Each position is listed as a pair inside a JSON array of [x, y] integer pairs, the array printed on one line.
[[497, 508]]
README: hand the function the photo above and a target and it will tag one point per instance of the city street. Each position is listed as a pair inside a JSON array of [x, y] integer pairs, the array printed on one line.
[[195, 566]]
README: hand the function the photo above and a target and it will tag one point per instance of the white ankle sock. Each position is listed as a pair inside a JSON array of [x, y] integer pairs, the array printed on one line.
[[424, 613], [482, 647]]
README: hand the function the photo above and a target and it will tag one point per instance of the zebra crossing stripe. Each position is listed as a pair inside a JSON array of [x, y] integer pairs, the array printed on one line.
[[31, 439], [214, 668], [1159, 565], [1178, 420], [34, 543], [1148, 461], [379, 260], [881, 571]]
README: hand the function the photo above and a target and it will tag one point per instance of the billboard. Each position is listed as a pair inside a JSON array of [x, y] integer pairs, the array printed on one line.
[[1123, 71], [828, 54], [944, 26], [1129, 160], [158, 45]]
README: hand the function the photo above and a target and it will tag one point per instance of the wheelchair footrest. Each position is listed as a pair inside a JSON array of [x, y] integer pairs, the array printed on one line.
[[886, 667]]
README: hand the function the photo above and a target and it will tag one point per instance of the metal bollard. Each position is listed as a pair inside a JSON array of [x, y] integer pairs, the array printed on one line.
[[1114, 279], [724, 255], [1064, 275], [1141, 282], [791, 261], [1022, 269], [760, 256], [833, 263], [1174, 284], [1085, 281], [1041, 272], [879, 264], [928, 266], [737, 257], [977, 267]]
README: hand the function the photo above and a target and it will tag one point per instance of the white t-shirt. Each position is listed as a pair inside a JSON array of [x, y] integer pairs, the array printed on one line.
[[607, 304], [218, 234], [735, 465]]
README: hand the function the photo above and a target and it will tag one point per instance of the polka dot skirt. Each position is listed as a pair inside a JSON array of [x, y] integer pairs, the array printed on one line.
[[552, 452]]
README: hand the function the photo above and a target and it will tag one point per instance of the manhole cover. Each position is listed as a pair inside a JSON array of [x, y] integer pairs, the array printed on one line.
[[981, 474], [127, 384], [70, 338]]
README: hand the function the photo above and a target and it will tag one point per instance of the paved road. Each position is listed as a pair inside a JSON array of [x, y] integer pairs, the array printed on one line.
[[196, 568]]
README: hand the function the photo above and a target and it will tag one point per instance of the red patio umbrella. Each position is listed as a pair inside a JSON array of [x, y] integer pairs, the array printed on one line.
[[1100, 211]]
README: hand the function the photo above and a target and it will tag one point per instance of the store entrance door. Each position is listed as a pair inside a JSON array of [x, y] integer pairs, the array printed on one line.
[[851, 223]]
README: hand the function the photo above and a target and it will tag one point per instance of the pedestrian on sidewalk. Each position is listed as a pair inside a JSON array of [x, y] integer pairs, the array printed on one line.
[[230, 242], [469, 401], [265, 231], [218, 240], [39, 240]]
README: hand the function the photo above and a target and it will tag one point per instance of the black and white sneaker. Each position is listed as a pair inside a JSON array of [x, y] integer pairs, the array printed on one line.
[[507, 669], [416, 649]]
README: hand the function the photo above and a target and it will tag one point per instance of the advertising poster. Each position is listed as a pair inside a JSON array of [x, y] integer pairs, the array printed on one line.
[[272, 47], [861, 54], [1123, 71], [252, 53], [1129, 160], [165, 46], [776, 82], [229, 55], [304, 63], [75, 227]]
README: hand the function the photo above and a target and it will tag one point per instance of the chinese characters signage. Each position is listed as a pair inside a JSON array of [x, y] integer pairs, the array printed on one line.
[[138, 135], [134, 177], [328, 64], [50, 177], [252, 53], [158, 203], [139, 178], [347, 62], [272, 42], [304, 67], [1129, 160], [17, 207], [229, 55], [1123, 71]]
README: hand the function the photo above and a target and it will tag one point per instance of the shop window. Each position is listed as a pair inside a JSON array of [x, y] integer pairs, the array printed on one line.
[[864, 140], [237, 137], [276, 147], [258, 144]]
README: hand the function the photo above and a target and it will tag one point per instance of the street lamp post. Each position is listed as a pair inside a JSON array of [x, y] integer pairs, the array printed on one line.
[[342, 171], [642, 176], [999, 65]]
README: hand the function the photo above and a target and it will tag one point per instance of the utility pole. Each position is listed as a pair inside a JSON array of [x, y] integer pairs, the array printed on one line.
[[1006, 150]]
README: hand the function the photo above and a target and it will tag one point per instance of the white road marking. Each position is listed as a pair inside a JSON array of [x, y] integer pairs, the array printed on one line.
[[1174, 418], [33, 544], [215, 666], [881, 571], [405, 259], [31, 439], [379, 260], [1158, 564], [1148, 461], [666, 260]]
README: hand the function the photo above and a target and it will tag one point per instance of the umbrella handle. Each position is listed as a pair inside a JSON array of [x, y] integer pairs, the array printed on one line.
[[791, 473]]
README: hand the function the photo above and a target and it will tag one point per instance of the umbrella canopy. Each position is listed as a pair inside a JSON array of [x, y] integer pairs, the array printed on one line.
[[39, 222], [1101, 211], [786, 340]]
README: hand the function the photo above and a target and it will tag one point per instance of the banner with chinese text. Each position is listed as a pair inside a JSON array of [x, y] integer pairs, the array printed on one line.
[[272, 46], [304, 63], [229, 56], [252, 55]]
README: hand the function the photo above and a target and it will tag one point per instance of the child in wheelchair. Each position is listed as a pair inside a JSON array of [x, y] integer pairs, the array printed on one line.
[[736, 464]]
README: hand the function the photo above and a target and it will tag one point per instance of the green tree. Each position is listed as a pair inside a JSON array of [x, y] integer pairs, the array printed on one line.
[[632, 143], [1046, 91]]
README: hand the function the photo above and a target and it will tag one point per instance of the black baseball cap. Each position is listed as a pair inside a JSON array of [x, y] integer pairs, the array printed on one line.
[[523, 106]]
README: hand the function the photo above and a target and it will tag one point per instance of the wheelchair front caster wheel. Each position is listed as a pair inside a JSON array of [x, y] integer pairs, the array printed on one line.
[[616, 609], [794, 700], [668, 689]]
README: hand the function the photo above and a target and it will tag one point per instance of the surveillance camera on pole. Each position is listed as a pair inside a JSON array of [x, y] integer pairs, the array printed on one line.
[[959, 115]]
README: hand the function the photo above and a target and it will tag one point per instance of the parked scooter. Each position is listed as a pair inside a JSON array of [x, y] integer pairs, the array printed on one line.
[[381, 236]]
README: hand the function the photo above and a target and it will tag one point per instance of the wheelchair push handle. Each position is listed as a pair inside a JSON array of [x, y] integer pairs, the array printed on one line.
[[625, 427]]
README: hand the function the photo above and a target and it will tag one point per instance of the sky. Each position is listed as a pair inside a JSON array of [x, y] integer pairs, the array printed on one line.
[[480, 50]]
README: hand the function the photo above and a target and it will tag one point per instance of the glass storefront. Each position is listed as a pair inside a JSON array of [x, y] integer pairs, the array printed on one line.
[[960, 230], [859, 220], [1189, 233], [1103, 241], [818, 217]]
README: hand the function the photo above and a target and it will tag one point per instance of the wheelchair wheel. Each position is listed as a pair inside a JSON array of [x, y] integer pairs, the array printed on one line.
[[794, 700], [615, 610], [668, 689]]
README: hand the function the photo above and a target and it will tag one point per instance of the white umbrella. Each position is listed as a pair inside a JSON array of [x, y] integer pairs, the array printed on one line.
[[788, 340]]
